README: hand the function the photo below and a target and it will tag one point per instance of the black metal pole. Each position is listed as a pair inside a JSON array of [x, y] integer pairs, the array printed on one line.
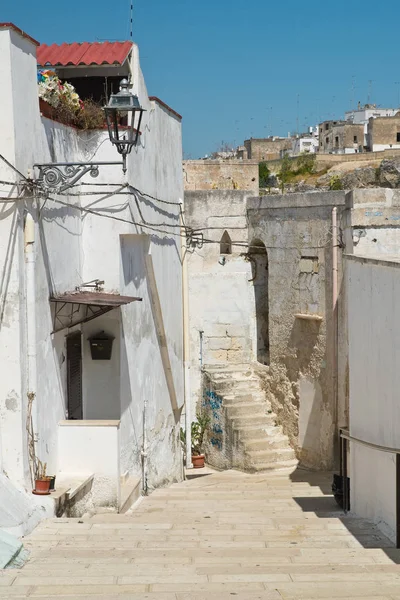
[[345, 482], [397, 500]]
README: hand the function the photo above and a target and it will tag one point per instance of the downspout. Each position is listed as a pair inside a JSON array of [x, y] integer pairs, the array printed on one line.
[[186, 348], [30, 277], [335, 318], [144, 449]]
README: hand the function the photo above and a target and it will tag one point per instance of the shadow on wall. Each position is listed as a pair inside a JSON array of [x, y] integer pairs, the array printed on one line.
[[366, 533], [135, 326]]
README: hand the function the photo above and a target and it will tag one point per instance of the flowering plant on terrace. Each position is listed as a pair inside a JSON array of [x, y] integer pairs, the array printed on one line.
[[52, 91]]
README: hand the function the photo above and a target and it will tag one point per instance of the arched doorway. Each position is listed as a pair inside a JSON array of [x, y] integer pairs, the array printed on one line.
[[259, 261]]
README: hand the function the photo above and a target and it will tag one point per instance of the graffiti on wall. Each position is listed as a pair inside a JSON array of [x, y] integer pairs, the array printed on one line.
[[213, 403]]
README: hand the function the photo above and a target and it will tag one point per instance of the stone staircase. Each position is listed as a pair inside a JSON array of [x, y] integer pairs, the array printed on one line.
[[259, 444]]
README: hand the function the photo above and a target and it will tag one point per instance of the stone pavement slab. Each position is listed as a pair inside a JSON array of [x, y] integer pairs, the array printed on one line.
[[226, 535]]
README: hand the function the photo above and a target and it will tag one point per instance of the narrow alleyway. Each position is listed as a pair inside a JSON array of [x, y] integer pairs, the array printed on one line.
[[224, 535]]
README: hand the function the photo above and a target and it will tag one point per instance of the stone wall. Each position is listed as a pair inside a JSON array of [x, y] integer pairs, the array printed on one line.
[[266, 149], [296, 230], [221, 175], [383, 131], [221, 297]]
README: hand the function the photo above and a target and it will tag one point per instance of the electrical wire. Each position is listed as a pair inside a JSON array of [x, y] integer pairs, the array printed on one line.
[[8, 182], [13, 168]]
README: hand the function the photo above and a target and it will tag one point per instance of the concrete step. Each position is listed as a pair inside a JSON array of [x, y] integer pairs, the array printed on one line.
[[290, 465], [275, 442], [130, 492], [269, 456], [253, 432], [238, 398], [248, 420], [232, 375], [238, 385], [246, 409]]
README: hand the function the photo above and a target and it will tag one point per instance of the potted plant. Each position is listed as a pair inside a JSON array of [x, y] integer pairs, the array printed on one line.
[[198, 429], [42, 481]]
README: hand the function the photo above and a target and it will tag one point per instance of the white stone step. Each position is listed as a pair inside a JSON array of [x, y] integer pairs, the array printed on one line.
[[253, 432], [261, 421], [275, 442], [246, 409], [238, 398], [290, 465], [130, 492], [269, 456]]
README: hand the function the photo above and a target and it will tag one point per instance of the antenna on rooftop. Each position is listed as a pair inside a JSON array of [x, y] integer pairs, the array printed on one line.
[[131, 20], [369, 89], [352, 91]]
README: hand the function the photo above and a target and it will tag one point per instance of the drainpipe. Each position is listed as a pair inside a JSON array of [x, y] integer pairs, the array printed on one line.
[[144, 449], [30, 260], [186, 348], [335, 317]]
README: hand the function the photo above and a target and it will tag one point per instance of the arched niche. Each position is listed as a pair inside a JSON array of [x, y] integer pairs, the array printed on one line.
[[225, 245]]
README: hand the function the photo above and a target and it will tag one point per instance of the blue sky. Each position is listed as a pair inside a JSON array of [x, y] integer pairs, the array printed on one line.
[[237, 69]]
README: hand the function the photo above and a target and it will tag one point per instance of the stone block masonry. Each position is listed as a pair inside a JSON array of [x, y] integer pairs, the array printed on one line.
[[221, 175]]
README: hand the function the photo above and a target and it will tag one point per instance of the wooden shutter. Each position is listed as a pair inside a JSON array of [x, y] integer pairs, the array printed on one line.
[[74, 376]]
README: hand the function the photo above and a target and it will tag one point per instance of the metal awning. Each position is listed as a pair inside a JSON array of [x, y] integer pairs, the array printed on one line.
[[79, 307]]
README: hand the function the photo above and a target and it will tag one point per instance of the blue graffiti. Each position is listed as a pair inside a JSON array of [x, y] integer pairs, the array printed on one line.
[[370, 213], [216, 443], [217, 429]]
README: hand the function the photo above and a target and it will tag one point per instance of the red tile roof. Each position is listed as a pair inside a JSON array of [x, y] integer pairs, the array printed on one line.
[[85, 53], [18, 30]]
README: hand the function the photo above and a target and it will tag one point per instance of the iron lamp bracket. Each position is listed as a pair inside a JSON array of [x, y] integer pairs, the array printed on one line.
[[58, 177]]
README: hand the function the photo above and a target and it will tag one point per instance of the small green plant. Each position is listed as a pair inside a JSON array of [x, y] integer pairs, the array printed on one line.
[[286, 172], [198, 430], [264, 174], [305, 164], [335, 183]]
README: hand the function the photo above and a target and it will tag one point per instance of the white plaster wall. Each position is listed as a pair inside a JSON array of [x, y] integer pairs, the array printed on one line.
[[374, 333], [380, 147], [221, 298], [101, 378], [90, 449], [373, 487], [73, 247]]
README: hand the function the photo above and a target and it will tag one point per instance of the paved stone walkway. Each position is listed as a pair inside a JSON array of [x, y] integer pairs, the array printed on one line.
[[225, 535]]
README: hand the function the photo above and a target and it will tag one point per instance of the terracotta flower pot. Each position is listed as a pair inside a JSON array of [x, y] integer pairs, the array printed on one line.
[[198, 461], [42, 486], [46, 109]]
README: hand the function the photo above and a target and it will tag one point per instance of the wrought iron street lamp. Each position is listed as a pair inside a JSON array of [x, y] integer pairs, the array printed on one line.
[[124, 105], [123, 117]]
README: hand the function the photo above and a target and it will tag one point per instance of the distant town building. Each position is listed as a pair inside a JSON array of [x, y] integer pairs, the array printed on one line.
[[363, 114], [266, 148], [383, 133], [341, 137]]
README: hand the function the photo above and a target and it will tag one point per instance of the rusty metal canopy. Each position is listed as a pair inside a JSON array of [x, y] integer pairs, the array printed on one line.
[[79, 307]]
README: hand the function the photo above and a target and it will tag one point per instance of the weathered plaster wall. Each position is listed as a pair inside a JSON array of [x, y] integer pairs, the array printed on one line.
[[220, 175], [296, 230], [73, 247], [374, 326], [221, 298]]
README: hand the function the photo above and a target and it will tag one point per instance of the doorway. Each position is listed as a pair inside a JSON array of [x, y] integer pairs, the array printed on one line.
[[74, 376], [259, 261]]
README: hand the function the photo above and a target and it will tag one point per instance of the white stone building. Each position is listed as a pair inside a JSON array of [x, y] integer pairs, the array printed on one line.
[[305, 145], [106, 428], [363, 114]]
